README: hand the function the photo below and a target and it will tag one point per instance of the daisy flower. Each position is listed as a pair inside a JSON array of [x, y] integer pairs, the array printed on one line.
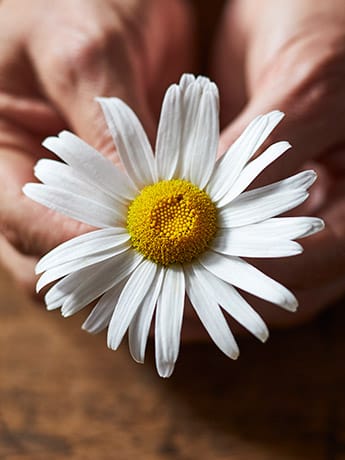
[[171, 224]]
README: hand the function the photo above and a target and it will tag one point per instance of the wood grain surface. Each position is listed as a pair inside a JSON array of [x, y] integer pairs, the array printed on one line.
[[64, 395]]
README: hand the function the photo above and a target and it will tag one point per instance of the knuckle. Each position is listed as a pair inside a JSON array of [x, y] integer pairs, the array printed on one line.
[[83, 52], [312, 71], [321, 82], [86, 49], [13, 237]]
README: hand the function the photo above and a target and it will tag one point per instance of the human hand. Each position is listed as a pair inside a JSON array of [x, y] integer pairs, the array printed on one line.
[[290, 56], [53, 62]]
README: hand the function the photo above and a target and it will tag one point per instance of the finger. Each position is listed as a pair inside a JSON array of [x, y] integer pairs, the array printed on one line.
[[25, 118], [28, 226], [322, 261], [111, 51], [297, 71], [20, 267], [311, 124], [316, 278], [312, 302], [84, 73], [227, 66], [75, 59], [317, 275]]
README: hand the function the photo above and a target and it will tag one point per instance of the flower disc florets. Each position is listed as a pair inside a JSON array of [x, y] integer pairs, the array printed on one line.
[[172, 221]]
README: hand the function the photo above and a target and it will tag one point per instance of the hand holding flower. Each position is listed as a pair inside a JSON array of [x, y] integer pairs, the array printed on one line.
[[54, 60], [291, 55]]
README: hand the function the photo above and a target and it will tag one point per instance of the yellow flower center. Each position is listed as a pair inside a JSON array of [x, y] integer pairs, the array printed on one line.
[[172, 221]]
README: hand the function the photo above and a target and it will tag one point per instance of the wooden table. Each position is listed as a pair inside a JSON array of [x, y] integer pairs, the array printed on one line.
[[65, 396]]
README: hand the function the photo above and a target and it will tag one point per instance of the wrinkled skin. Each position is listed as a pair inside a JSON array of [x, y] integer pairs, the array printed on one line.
[[267, 54]]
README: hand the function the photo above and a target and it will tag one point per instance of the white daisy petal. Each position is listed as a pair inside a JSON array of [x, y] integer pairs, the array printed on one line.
[[190, 100], [62, 176], [233, 243], [169, 134], [82, 297], [85, 294], [232, 302], [203, 147], [199, 145], [99, 281], [248, 210], [184, 147], [104, 275], [284, 228], [92, 165], [129, 301], [130, 140], [315, 226], [229, 166], [204, 82], [210, 314], [252, 170], [100, 316], [140, 326], [82, 262], [83, 246], [264, 202], [75, 206], [300, 181], [169, 316], [186, 80], [236, 271]]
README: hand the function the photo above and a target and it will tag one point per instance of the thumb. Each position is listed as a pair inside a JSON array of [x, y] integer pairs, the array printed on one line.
[[71, 83], [98, 65], [311, 122], [312, 125]]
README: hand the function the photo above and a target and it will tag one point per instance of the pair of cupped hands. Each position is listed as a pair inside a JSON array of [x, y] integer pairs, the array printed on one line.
[[55, 57]]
